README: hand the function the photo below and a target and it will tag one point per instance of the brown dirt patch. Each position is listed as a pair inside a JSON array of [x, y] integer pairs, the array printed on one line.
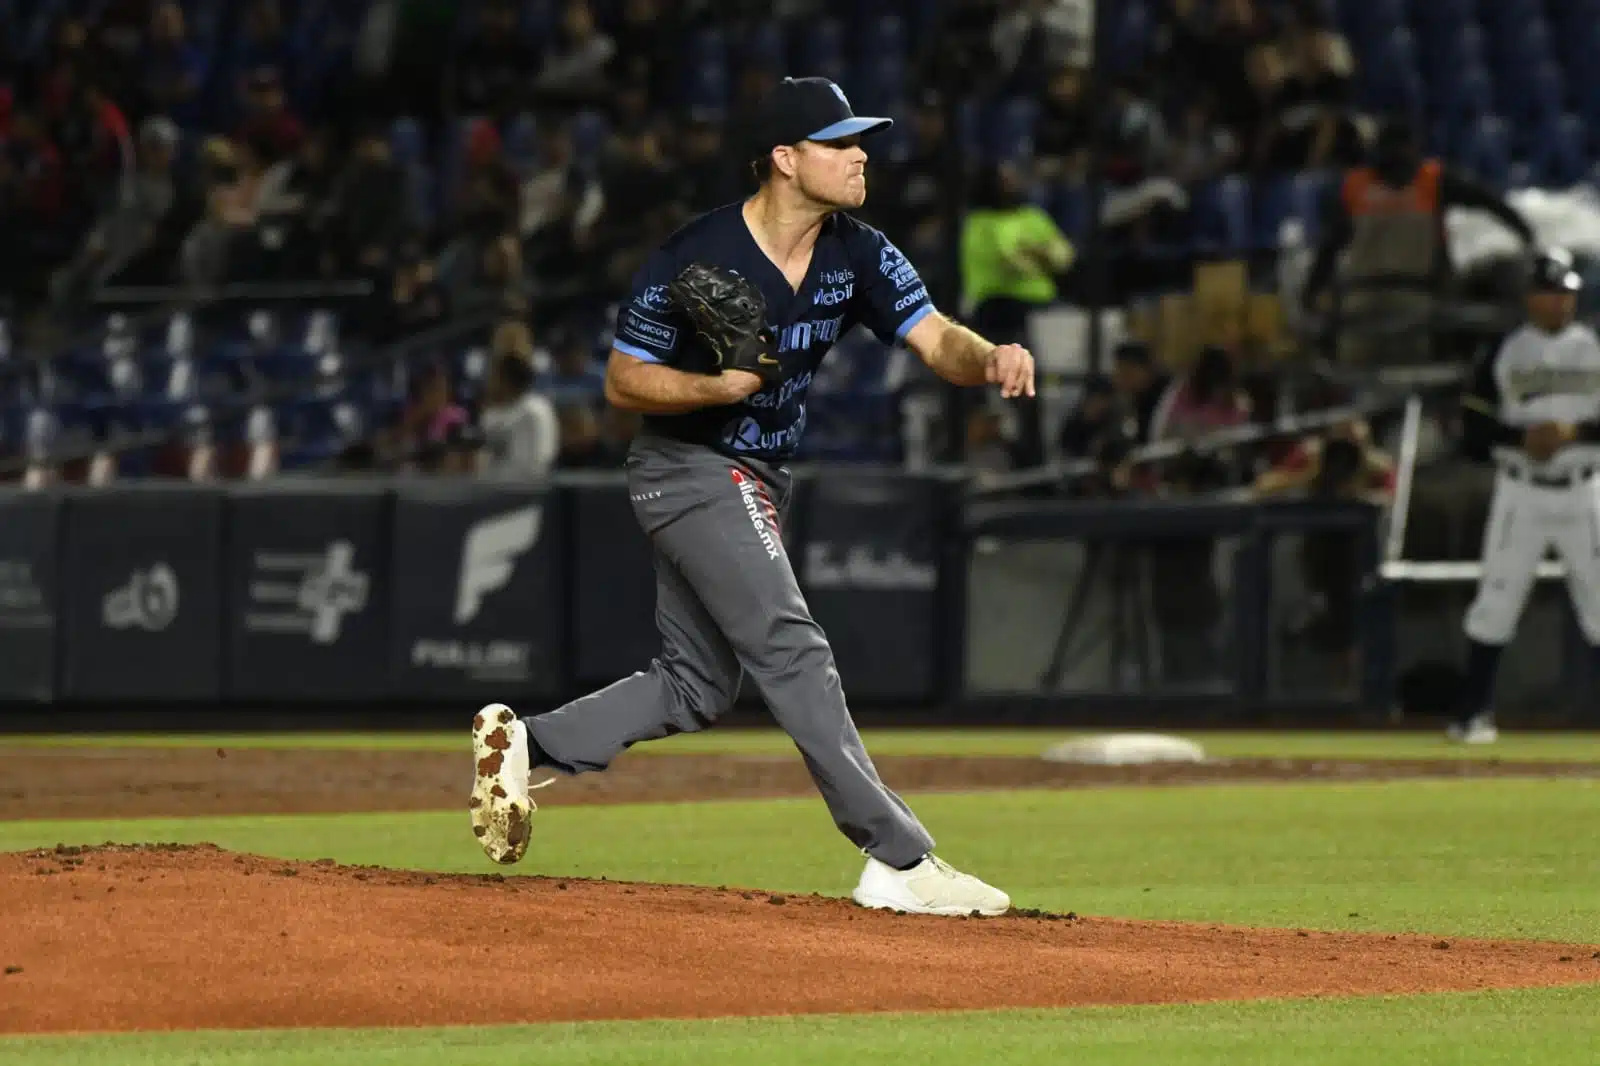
[[167, 937], [162, 782]]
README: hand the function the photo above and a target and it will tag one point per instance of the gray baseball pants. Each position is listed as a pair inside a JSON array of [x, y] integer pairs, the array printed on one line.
[[728, 606]]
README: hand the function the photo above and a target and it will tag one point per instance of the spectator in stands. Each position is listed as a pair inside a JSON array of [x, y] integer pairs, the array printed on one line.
[[1344, 463], [1207, 398], [1212, 47], [174, 69], [1385, 220], [705, 175], [575, 378], [231, 180], [559, 201], [907, 195], [651, 31], [1140, 385], [574, 70], [1093, 423], [428, 436], [489, 70], [1031, 37], [581, 444], [38, 231], [293, 210], [268, 123], [412, 302], [1011, 254], [265, 42], [485, 218], [1305, 79], [369, 211], [1201, 148], [1061, 139], [520, 429], [134, 236]]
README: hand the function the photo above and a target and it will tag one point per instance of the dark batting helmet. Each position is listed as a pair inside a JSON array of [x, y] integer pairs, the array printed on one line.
[[1553, 271]]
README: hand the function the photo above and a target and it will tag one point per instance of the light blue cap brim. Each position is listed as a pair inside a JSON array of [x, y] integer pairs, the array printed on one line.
[[851, 127]]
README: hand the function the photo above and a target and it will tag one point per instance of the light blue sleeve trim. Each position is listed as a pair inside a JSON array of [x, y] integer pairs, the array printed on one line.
[[638, 353], [916, 316]]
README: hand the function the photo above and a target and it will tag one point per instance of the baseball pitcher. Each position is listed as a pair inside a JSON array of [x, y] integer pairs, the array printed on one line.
[[717, 347], [1534, 411]]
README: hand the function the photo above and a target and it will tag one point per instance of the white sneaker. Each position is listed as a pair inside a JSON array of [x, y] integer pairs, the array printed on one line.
[[1479, 729], [932, 886], [502, 812]]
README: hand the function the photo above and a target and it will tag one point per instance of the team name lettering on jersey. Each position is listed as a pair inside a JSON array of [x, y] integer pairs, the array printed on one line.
[[1534, 382]]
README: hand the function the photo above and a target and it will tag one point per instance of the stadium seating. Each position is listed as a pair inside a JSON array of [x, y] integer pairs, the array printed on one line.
[[1508, 89]]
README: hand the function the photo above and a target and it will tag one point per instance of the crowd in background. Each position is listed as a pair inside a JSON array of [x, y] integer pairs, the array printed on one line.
[[142, 151]]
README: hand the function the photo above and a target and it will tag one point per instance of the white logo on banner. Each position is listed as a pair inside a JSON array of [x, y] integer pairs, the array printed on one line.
[[22, 603], [149, 601], [308, 594], [864, 568], [489, 557]]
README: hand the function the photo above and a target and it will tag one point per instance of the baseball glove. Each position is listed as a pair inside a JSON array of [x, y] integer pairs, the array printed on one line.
[[730, 313]]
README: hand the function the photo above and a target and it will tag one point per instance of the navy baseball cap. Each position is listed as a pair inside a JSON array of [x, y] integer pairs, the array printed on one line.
[[811, 109]]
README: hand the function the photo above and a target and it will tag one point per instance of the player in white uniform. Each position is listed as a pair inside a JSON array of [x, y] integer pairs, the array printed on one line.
[[1534, 410]]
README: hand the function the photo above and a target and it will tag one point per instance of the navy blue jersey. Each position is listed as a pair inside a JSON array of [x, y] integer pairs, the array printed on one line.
[[857, 277]]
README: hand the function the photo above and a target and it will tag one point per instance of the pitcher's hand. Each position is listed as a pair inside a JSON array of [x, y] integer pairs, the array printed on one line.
[[1011, 367]]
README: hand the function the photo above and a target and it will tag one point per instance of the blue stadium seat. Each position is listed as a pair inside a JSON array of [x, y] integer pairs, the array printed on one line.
[[407, 141], [1222, 215], [1307, 192], [1130, 37], [522, 142], [707, 47], [589, 130], [1560, 159], [1269, 206], [1533, 101], [766, 47], [707, 88], [1011, 129], [821, 46], [873, 86], [883, 36], [1487, 151]]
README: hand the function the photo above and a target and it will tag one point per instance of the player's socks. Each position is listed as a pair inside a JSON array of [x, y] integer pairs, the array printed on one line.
[[1483, 666]]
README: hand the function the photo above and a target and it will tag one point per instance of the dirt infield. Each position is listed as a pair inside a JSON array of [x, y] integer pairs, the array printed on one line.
[[177, 782], [167, 937]]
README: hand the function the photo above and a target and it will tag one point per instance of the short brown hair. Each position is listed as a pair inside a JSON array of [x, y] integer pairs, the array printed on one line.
[[761, 167]]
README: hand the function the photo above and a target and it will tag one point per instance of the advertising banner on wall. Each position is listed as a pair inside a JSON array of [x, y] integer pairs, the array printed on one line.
[[478, 605], [869, 567], [141, 594], [309, 586], [28, 537], [614, 603]]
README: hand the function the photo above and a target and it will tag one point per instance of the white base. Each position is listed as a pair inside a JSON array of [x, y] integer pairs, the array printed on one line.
[[1126, 749]]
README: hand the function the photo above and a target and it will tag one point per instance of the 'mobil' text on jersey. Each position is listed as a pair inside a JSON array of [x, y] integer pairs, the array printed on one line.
[[857, 277]]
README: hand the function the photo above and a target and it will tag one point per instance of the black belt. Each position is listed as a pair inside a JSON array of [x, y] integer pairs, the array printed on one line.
[[1551, 481]]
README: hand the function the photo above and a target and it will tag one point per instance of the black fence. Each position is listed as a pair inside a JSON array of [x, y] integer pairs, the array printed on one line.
[[422, 592]]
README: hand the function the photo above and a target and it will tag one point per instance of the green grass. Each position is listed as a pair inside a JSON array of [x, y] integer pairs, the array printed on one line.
[[1552, 1028], [1508, 858], [1560, 747], [1489, 857]]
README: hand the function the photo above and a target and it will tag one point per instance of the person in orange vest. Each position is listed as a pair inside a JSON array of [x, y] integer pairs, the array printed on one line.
[[1383, 231]]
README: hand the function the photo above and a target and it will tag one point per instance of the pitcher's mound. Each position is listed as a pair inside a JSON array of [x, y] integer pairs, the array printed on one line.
[[168, 937]]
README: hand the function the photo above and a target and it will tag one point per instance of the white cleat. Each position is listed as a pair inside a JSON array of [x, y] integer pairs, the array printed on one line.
[[1479, 729], [502, 812], [932, 886]]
